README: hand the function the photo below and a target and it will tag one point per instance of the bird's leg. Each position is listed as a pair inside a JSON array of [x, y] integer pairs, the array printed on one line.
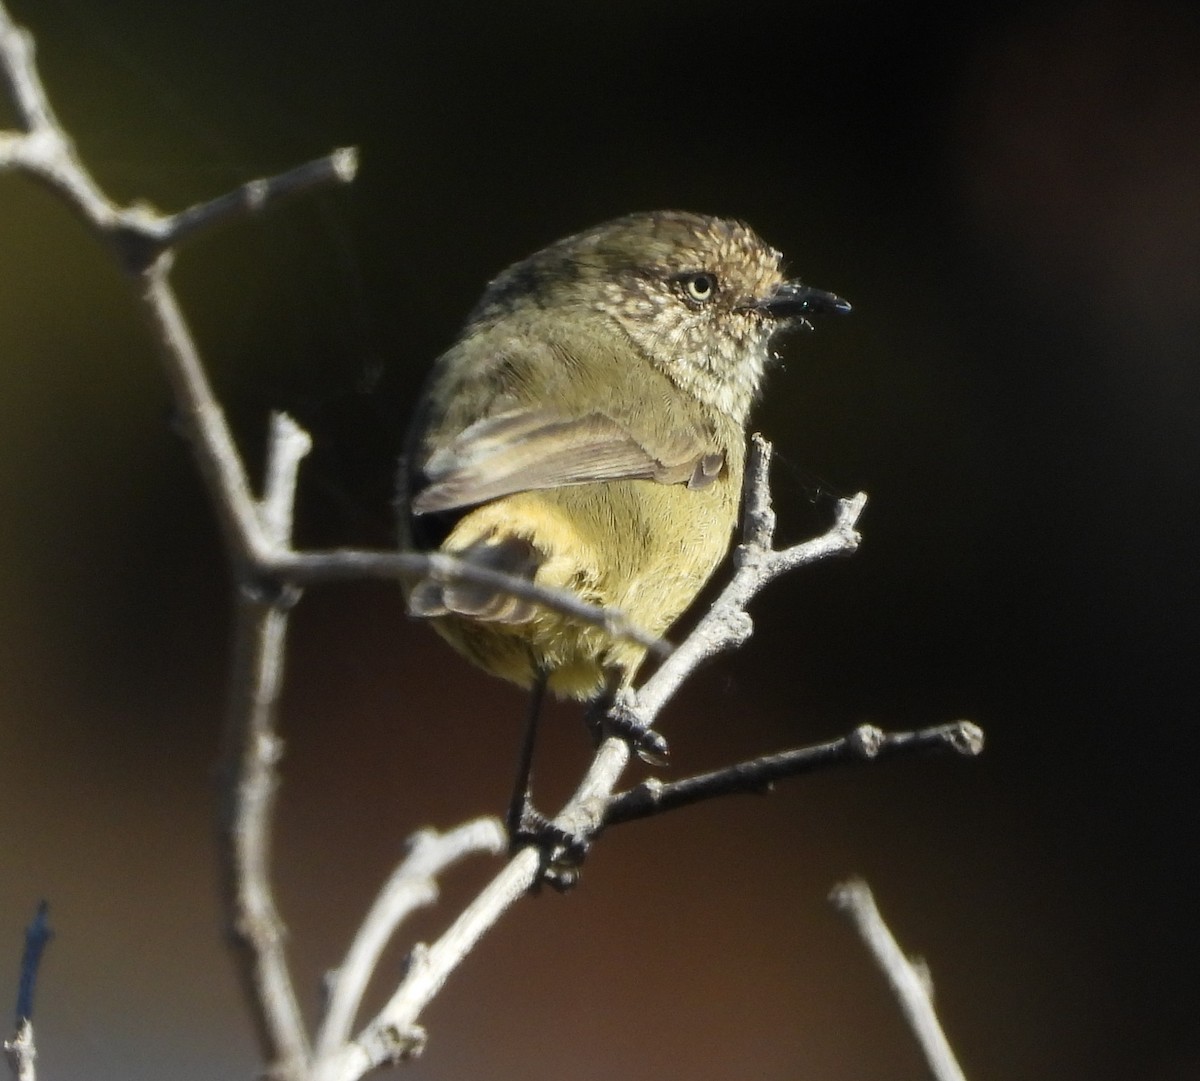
[[616, 713], [562, 852], [520, 806]]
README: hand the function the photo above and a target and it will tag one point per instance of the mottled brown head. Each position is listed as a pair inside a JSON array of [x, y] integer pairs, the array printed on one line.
[[699, 297]]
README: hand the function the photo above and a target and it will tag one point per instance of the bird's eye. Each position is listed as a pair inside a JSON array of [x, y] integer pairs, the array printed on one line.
[[699, 287]]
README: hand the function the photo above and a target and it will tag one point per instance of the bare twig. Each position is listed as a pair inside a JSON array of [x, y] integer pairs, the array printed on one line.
[[41, 149], [394, 1033], [338, 167], [289, 445], [257, 535], [252, 750], [727, 624], [270, 575], [758, 516], [909, 981], [412, 885], [865, 743], [37, 937], [20, 1049], [347, 564], [143, 241]]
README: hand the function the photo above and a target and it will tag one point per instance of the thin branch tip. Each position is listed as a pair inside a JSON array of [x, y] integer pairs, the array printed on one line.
[[20, 1049], [758, 515], [909, 980], [864, 745], [37, 936], [339, 167], [344, 162], [851, 894], [966, 737], [285, 426], [849, 511], [853, 508]]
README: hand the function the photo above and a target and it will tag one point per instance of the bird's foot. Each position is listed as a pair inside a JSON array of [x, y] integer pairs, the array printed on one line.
[[620, 716], [562, 852]]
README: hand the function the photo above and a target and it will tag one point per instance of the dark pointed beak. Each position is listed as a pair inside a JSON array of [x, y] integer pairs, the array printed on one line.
[[792, 300]]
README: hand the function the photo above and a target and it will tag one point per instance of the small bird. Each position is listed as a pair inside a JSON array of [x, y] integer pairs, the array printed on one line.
[[587, 431]]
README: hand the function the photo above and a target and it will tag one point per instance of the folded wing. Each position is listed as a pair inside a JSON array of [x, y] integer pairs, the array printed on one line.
[[529, 449]]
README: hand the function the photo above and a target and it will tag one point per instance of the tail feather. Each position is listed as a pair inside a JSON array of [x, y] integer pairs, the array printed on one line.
[[439, 596]]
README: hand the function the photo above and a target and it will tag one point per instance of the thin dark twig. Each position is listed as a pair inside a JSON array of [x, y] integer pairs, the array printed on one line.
[[865, 743], [37, 936], [21, 1049]]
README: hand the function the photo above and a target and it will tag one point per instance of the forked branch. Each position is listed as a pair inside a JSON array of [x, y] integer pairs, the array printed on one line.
[[269, 577]]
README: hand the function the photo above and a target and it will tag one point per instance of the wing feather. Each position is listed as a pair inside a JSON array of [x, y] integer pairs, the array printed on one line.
[[528, 449]]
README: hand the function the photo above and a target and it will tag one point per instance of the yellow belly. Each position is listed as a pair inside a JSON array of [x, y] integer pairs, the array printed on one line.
[[644, 548]]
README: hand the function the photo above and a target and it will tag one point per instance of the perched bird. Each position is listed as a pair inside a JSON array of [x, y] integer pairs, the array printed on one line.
[[587, 431]]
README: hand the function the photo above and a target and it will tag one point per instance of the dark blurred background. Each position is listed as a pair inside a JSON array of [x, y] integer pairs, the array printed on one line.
[[1008, 194]]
